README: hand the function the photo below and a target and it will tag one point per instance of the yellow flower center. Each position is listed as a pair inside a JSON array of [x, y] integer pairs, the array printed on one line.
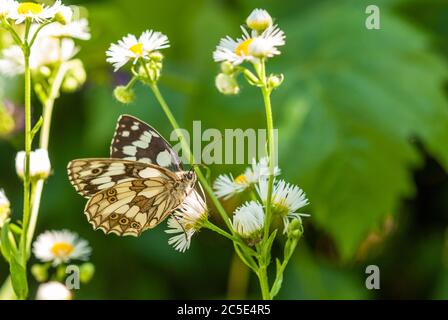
[[243, 47], [137, 49], [280, 208], [241, 179], [62, 249], [29, 7]]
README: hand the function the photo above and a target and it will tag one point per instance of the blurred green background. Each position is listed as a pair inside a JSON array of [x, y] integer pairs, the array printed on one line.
[[363, 120]]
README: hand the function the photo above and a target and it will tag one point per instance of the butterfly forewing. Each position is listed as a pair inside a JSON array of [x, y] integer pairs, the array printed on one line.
[[90, 176], [137, 141], [131, 207]]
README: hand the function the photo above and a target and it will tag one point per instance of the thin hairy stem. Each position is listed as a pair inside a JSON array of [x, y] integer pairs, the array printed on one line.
[[48, 106], [190, 155]]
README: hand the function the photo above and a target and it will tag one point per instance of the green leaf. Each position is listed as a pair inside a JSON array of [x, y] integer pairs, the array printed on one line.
[[6, 247], [278, 279], [354, 104], [268, 246], [18, 278], [245, 257]]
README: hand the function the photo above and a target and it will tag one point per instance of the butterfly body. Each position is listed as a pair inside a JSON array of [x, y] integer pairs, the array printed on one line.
[[128, 196]]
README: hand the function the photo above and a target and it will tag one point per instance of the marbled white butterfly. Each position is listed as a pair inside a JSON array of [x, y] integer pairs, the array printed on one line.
[[138, 187]]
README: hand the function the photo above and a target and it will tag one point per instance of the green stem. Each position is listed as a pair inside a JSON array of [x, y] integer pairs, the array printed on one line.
[[271, 148], [227, 235], [186, 148], [43, 144], [264, 285], [260, 68], [26, 178]]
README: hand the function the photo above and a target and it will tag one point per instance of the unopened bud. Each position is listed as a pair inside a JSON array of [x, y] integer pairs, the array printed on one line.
[[226, 84], [40, 166], [275, 81], [124, 95], [5, 209], [259, 20]]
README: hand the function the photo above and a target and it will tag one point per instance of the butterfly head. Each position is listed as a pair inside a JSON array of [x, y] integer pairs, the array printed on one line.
[[189, 177]]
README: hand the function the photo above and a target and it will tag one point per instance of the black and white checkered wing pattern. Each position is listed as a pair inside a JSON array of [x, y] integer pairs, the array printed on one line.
[[137, 141]]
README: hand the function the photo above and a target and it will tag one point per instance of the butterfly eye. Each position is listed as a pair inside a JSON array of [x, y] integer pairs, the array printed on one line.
[[190, 175]]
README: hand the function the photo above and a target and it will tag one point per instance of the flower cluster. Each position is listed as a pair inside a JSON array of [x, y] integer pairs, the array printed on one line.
[[55, 249], [248, 219], [51, 37], [144, 53], [255, 45]]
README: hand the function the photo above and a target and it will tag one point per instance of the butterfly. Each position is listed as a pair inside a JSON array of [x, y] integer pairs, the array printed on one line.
[[138, 187]]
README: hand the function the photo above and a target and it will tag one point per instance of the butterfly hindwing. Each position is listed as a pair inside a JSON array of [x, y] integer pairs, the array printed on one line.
[[131, 207], [90, 176], [137, 141]]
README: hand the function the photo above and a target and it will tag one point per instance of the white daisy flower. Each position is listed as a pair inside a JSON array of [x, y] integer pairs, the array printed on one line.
[[286, 200], [187, 220], [248, 221], [36, 12], [4, 207], [40, 166], [131, 48], [45, 51], [226, 186], [77, 29], [53, 290], [259, 20], [60, 247], [244, 48], [5, 7]]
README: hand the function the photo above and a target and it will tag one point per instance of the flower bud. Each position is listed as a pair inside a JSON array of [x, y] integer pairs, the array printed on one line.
[[156, 56], [5, 209], [124, 95], [227, 67], [7, 122], [40, 272], [226, 84], [295, 229], [259, 20], [75, 76], [275, 81], [53, 290], [248, 222], [153, 70], [40, 166], [86, 272]]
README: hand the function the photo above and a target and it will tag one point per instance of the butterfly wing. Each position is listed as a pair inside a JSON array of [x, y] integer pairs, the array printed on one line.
[[131, 207], [137, 141], [90, 176]]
